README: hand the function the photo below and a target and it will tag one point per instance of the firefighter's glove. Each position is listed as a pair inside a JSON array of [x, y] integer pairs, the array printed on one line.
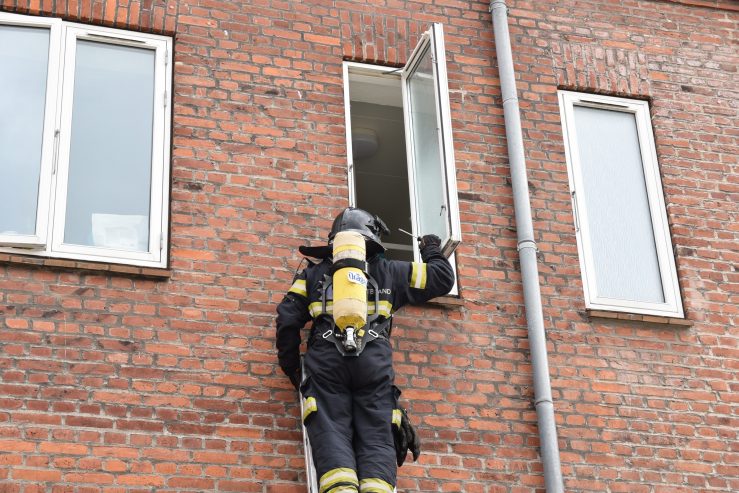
[[429, 244], [295, 376], [405, 438]]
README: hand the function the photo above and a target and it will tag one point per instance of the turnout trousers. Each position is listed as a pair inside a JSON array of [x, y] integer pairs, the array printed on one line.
[[348, 408]]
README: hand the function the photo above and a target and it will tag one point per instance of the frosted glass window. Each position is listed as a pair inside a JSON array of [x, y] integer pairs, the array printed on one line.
[[615, 193], [111, 147], [623, 238], [24, 59]]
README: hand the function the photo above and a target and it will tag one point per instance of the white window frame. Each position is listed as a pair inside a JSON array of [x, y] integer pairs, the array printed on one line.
[[48, 139], [672, 305], [49, 238], [432, 39]]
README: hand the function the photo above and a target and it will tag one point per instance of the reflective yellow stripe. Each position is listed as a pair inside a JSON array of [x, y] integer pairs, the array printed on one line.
[[375, 485], [309, 406], [396, 417], [298, 287], [386, 308], [335, 476], [418, 275], [316, 308], [359, 250]]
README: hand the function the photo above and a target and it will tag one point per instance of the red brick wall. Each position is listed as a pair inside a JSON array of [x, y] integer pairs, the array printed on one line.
[[125, 383]]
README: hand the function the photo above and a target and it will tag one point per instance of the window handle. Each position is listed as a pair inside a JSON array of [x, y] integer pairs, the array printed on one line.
[[55, 157], [443, 208], [575, 212]]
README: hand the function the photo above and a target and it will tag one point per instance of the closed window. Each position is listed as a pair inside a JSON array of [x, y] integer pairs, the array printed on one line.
[[620, 218], [401, 159], [84, 141]]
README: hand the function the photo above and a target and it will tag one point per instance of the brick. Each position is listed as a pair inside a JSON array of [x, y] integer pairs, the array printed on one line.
[[120, 379], [63, 448], [36, 475]]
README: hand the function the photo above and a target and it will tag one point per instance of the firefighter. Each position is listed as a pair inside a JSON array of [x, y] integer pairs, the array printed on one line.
[[358, 433]]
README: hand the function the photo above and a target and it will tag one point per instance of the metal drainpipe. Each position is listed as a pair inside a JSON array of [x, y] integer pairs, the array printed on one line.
[[527, 253]]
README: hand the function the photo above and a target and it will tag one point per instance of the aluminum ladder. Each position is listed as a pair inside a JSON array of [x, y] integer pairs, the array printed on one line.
[[310, 469]]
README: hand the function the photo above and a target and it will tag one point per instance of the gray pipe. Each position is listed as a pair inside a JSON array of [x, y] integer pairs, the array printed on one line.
[[527, 253]]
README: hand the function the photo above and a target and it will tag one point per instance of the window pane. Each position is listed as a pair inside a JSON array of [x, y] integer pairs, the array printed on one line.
[[109, 183], [619, 220], [381, 176], [427, 161], [24, 58]]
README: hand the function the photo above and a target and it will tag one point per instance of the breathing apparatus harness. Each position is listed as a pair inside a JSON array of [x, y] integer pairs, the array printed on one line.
[[350, 326], [351, 342]]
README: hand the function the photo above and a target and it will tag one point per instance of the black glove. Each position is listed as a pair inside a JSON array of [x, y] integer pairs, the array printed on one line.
[[429, 241], [295, 376], [405, 438], [430, 246]]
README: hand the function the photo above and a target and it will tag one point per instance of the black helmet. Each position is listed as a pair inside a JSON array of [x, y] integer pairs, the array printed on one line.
[[361, 221]]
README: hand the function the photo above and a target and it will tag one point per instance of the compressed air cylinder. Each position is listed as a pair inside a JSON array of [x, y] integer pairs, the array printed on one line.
[[349, 283]]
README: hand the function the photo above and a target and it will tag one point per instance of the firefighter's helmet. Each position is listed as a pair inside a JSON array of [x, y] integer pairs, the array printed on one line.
[[361, 221]]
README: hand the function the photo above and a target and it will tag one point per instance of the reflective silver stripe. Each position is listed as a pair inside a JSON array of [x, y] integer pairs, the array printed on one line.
[[299, 287], [418, 275], [316, 308], [396, 417], [309, 406], [386, 308], [375, 485], [334, 476]]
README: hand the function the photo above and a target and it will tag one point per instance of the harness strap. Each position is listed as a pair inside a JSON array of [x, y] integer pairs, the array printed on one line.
[[332, 333], [348, 262], [376, 331]]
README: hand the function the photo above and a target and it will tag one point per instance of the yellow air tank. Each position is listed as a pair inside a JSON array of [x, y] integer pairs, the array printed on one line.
[[350, 287]]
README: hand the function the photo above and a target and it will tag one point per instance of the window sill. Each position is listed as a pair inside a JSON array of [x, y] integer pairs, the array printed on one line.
[[9, 258], [634, 317], [447, 301]]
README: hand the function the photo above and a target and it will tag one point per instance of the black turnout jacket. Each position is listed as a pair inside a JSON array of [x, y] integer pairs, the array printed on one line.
[[399, 283]]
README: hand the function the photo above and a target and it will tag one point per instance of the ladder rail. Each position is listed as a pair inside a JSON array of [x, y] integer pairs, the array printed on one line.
[[310, 468]]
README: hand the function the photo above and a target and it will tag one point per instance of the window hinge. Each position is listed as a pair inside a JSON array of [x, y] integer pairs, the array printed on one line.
[[161, 241], [166, 57], [165, 98]]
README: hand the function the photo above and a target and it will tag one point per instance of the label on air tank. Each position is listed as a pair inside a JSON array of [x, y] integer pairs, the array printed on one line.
[[357, 278]]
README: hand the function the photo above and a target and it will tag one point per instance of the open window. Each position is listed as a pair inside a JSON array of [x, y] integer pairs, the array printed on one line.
[[401, 157], [84, 141]]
